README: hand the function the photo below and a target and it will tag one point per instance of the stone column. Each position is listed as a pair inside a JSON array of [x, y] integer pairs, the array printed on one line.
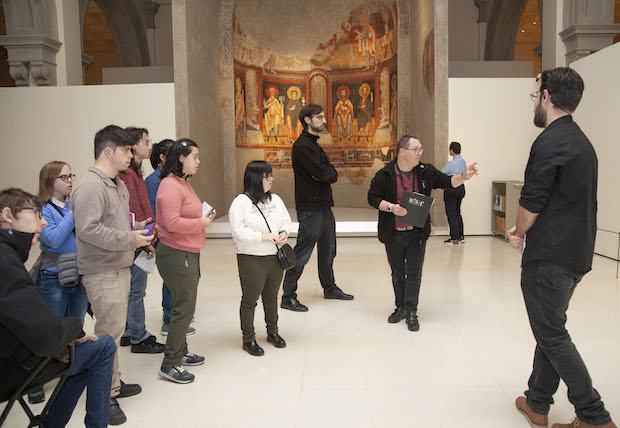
[[31, 41], [588, 27], [553, 50], [69, 59], [151, 7], [484, 8]]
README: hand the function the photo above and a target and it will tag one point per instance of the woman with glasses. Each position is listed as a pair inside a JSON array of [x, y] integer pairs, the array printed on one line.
[[59, 249], [181, 226], [259, 222]]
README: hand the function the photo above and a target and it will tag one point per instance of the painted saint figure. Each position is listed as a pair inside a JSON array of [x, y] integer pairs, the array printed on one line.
[[274, 116], [240, 126], [364, 110], [366, 40], [293, 106], [344, 113]]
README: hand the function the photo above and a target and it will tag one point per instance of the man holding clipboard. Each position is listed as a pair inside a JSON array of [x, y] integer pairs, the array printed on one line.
[[407, 182]]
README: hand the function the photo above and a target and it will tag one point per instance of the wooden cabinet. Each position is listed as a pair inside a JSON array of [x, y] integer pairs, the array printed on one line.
[[504, 205]]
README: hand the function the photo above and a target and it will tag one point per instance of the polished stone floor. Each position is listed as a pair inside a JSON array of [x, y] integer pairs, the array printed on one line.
[[345, 366]]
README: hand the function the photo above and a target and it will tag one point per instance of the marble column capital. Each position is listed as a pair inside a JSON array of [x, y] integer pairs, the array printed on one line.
[[31, 55], [583, 39]]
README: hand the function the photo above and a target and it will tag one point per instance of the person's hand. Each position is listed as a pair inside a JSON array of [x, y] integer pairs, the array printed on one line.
[[142, 224], [150, 252], [270, 237], [398, 210], [282, 237], [470, 171], [142, 240], [86, 338], [516, 242]]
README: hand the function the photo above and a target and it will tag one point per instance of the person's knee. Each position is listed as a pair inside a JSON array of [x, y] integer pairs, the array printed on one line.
[[108, 345]]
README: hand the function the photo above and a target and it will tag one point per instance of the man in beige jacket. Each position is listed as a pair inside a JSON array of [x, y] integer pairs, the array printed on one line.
[[106, 244]]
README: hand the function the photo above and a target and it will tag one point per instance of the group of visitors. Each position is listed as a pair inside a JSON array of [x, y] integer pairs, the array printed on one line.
[[98, 242]]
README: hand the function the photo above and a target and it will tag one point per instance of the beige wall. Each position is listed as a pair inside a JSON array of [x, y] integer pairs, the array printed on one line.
[[598, 116], [493, 121], [59, 123]]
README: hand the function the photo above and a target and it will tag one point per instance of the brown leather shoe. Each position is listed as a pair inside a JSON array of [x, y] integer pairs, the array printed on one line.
[[536, 420], [578, 423]]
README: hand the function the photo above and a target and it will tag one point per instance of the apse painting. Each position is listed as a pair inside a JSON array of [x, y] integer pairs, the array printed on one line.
[[352, 74]]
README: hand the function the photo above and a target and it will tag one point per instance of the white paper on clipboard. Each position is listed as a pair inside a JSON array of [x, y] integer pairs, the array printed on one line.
[[147, 265]]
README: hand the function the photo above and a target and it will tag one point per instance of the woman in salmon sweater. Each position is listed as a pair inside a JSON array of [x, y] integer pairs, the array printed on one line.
[[181, 230]]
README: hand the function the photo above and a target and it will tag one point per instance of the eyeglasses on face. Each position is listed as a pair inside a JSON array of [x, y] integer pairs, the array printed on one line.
[[67, 177], [416, 150], [37, 211], [268, 176], [534, 96]]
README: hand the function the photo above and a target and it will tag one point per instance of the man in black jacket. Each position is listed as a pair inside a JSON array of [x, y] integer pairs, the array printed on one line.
[[557, 211], [29, 330], [314, 175], [405, 245]]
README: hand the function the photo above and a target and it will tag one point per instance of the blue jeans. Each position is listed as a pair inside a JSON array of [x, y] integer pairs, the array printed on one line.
[[64, 301], [547, 290], [166, 303], [136, 327], [93, 370], [315, 227], [405, 253]]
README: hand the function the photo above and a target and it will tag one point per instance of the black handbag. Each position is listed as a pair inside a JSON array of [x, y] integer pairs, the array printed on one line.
[[285, 253]]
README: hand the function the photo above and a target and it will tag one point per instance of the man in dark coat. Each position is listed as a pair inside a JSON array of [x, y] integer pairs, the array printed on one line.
[[405, 244], [30, 332]]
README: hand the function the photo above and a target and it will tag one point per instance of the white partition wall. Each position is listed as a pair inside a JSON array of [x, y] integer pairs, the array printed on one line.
[[41, 124], [493, 121], [599, 117]]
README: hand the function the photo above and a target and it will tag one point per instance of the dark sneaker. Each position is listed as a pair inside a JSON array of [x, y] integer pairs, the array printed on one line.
[[535, 420], [164, 330], [451, 241], [398, 315], [125, 341], [117, 416], [148, 346], [191, 359], [293, 304], [412, 321], [37, 396], [129, 389], [253, 348], [276, 339], [176, 374], [338, 294]]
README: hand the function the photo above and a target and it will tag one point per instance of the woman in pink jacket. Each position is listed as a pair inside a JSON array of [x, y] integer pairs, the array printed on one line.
[[181, 231]]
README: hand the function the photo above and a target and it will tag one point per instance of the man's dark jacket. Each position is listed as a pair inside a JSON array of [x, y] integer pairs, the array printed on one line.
[[383, 187], [29, 330], [313, 174]]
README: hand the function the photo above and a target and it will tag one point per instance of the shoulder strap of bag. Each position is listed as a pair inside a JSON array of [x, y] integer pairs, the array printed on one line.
[[58, 209], [265, 218]]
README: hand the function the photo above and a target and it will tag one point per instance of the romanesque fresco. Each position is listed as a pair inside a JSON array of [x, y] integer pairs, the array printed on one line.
[[352, 75]]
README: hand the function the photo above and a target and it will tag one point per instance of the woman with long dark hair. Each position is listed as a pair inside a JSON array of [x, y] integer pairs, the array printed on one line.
[[181, 230], [259, 221]]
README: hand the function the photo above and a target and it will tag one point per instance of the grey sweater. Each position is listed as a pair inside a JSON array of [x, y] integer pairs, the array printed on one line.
[[100, 208]]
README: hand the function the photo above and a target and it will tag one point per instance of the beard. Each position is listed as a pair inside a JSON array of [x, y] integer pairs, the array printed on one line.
[[540, 117], [316, 129]]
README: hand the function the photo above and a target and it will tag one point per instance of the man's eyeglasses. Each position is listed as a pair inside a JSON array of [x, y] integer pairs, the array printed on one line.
[[416, 150], [67, 177], [534, 96], [37, 211]]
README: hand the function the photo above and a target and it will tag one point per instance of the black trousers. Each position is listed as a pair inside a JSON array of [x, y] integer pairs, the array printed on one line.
[[547, 290], [315, 227], [405, 253], [453, 199]]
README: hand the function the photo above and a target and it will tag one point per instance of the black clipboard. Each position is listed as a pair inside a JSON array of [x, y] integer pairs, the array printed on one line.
[[418, 208]]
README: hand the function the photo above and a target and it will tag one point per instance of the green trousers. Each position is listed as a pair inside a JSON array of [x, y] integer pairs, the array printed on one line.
[[180, 270], [259, 276]]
